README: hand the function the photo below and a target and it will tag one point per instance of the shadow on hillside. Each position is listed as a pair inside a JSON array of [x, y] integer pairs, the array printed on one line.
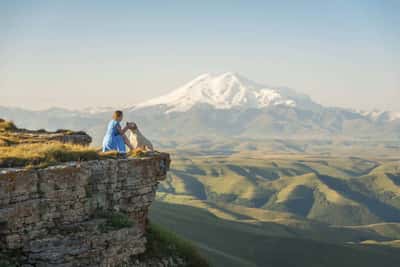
[[300, 201], [230, 243], [193, 187], [253, 172], [382, 210], [395, 178]]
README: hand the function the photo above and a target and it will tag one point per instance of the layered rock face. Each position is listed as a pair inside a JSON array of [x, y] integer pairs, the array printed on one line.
[[60, 216]]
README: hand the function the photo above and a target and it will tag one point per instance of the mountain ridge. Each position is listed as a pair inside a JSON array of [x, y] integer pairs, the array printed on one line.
[[225, 91], [273, 92], [224, 105]]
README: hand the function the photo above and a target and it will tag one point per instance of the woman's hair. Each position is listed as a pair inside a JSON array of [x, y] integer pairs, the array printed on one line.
[[117, 114]]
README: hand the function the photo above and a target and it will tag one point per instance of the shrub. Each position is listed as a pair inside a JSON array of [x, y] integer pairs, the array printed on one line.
[[6, 263], [114, 221], [164, 243], [7, 125], [11, 258]]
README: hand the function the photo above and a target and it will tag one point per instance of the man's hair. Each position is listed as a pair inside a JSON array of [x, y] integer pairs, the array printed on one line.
[[117, 114]]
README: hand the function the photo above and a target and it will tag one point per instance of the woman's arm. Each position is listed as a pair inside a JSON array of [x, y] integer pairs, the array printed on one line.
[[127, 142], [122, 131]]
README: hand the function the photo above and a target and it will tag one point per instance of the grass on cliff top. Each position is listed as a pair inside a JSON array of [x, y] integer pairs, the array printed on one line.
[[42, 155], [164, 243], [24, 148]]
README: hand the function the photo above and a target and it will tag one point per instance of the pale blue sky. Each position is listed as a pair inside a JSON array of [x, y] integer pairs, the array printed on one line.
[[115, 53]]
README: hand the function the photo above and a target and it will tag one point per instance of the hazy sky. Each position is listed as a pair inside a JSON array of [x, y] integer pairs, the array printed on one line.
[[115, 53]]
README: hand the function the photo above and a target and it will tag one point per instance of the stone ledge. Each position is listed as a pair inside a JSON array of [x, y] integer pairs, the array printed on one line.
[[38, 206]]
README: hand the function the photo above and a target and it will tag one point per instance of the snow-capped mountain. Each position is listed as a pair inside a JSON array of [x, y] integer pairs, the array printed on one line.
[[379, 115], [226, 91], [224, 105], [229, 104]]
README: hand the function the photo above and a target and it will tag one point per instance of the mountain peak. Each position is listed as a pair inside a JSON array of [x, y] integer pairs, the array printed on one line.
[[381, 115], [225, 91]]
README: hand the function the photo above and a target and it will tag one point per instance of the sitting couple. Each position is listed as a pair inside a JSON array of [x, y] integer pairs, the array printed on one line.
[[116, 140]]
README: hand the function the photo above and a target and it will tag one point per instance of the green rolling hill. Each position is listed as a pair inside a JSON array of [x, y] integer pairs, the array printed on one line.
[[233, 243], [248, 209], [348, 191]]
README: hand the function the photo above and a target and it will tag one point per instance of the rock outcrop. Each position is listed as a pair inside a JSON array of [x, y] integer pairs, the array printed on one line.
[[20, 138], [90, 213], [12, 135]]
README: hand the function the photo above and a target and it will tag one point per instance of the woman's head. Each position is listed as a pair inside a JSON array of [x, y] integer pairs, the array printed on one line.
[[118, 115]]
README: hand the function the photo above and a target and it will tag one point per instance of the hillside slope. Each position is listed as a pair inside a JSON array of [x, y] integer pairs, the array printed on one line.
[[350, 191], [229, 243]]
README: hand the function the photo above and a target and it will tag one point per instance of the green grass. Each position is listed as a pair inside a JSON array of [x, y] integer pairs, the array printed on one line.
[[390, 230], [249, 209], [10, 259], [164, 243], [114, 221], [232, 243], [41, 155], [260, 148], [336, 190], [6, 263]]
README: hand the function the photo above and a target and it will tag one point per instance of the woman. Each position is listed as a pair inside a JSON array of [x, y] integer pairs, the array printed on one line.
[[115, 138]]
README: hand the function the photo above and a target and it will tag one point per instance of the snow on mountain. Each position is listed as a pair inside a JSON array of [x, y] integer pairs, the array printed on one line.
[[395, 116], [226, 91], [381, 115], [96, 110]]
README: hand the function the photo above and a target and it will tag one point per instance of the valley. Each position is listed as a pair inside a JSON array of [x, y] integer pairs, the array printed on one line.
[[249, 209]]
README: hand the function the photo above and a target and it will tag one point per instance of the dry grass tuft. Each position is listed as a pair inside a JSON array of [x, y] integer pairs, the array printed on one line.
[[138, 152], [44, 154], [47, 154], [7, 125]]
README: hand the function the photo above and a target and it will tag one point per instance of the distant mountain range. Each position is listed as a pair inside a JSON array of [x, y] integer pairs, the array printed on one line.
[[224, 105]]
